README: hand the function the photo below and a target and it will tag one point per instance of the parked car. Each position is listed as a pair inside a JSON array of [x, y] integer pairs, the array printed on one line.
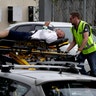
[[22, 82]]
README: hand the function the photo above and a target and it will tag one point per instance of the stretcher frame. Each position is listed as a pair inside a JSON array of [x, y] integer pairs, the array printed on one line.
[[22, 51]]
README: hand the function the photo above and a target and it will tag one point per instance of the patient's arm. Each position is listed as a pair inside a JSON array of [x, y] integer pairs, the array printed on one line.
[[4, 33], [47, 23]]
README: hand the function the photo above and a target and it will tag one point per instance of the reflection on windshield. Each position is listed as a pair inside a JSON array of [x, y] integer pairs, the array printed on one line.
[[70, 88]]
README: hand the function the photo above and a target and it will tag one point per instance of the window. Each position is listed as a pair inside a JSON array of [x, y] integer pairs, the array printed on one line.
[[23, 28], [38, 27], [94, 33], [12, 88], [70, 88]]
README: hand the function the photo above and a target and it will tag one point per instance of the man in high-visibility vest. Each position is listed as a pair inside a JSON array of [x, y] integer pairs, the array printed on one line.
[[82, 36]]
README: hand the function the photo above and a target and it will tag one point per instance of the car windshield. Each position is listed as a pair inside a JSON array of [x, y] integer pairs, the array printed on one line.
[[70, 88]]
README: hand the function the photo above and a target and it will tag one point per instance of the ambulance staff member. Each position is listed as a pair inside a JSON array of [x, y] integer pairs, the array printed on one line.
[[82, 36]]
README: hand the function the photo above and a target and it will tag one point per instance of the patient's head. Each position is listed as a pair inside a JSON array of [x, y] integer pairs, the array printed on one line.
[[60, 33]]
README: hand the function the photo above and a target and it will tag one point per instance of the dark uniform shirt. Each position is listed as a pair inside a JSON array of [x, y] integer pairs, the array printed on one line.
[[87, 29]]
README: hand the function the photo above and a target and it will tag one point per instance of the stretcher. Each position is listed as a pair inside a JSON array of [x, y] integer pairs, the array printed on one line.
[[24, 52]]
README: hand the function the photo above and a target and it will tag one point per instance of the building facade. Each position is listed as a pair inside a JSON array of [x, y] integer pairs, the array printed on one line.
[[12, 11], [45, 10], [17, 11]]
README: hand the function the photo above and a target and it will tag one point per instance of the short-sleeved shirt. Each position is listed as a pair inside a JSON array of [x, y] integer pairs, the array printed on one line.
[[87, 28]]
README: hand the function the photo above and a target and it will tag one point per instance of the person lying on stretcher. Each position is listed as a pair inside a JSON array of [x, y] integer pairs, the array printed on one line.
[[48, 35]]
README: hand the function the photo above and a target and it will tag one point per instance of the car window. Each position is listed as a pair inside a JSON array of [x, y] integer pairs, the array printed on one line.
[[23, 28], [12, 88], [94, 37], [94, 33], [67, 31], [37, 27], [70, 88]]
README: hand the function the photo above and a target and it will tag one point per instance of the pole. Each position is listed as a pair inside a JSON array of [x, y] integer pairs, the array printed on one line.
[[53, 12], [84, 10]]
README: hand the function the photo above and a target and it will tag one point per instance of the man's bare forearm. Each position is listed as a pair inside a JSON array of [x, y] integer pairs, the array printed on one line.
[[84, 42], [72, 44]]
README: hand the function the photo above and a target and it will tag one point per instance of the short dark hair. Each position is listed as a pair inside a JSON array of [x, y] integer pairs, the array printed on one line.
[[75, 14]]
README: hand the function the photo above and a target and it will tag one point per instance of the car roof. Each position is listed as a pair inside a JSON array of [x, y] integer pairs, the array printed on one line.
[[40, 76], [55, 24]]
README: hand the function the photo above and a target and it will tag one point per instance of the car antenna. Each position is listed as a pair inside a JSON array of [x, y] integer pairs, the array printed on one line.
[[60, 72]]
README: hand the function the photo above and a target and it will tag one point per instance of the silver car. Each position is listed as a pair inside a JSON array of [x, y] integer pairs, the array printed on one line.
[[22, 82]]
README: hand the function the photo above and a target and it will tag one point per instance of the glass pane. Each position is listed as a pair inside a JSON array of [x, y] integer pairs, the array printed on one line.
[[12, 88], [21, 90], [24, 28], [71, 88], [94, 34], [38, 27]]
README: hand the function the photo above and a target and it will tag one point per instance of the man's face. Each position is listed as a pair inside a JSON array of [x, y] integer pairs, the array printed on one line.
[[60, 33], [72, 20]]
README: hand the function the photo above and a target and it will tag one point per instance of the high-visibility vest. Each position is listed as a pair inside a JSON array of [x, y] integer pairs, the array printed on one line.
[[78, 35]]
